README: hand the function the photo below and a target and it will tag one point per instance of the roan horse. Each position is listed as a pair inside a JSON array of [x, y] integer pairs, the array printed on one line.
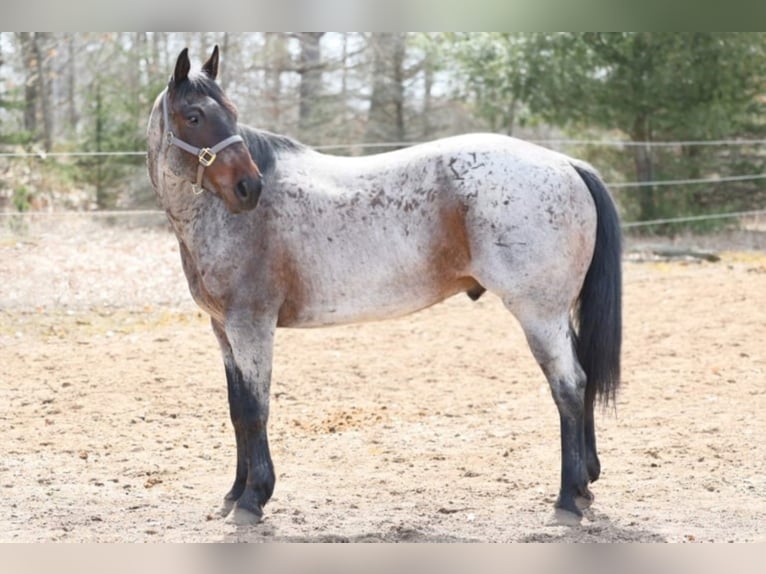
[[274, 234]]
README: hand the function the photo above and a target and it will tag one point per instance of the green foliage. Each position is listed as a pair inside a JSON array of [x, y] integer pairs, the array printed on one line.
[[10, 102], [495, 71], [117, 117], [640, 86], [21, 198], [649, 86]]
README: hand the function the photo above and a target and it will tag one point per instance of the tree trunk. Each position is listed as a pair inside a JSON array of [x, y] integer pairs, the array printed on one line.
[[385, 120], [31, 71], [642, 159], [510, 116], [275, 59], [137, 54], [71, 84], [311, 79], [344, 75], [398, 86], [223, 70], [428, 83], [157, 60], [40, 44]]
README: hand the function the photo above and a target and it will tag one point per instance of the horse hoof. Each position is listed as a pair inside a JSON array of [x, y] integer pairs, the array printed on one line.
[[244, 517], [562, 517]]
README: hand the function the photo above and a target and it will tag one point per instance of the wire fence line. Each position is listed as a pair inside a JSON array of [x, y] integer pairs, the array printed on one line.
[[46, 154], [158, 212], [629, 185], [399, 144], [662, 182], [571, 142], [692, 218], [613, 185]]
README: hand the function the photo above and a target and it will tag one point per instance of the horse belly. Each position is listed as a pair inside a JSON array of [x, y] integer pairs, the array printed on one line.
[[367, 285], [361, 305]]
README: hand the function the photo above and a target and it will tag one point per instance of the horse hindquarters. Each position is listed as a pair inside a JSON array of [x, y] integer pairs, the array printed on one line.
[[561, 264]]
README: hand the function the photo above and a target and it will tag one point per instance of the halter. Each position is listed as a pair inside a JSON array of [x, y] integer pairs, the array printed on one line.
[[205, 155]]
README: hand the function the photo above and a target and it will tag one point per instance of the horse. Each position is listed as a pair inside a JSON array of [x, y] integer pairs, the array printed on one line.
[[274, 234]]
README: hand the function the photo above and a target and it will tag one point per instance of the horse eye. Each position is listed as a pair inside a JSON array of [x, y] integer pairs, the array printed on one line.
[[192, 119]]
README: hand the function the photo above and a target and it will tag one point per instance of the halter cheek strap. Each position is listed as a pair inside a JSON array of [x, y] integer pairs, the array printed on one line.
[[205, 155]]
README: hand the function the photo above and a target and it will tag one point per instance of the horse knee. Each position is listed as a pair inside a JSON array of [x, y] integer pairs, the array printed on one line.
[[569, 396]]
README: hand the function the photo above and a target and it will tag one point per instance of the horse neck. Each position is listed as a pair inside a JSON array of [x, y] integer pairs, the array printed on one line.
[[174, 194]]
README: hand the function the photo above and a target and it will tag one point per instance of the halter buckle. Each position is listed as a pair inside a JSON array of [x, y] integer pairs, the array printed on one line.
[[206, 156]]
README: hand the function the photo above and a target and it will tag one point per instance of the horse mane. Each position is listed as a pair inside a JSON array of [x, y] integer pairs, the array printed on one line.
[[265, 146]]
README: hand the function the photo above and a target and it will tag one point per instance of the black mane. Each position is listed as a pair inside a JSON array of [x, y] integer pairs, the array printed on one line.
[[264, 146]]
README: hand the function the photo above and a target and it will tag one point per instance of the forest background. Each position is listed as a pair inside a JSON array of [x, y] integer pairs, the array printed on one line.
[[674, 121]]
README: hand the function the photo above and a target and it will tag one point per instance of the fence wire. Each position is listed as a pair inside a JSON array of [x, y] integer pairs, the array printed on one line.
[[624, 185]]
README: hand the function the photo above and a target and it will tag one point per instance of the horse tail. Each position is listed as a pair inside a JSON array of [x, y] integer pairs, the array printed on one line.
[[599, 306]]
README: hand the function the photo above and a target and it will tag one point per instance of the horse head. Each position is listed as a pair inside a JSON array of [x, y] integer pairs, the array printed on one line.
[[202, 139]]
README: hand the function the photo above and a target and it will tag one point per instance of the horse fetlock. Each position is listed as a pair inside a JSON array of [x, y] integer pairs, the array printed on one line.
[[593, 465], [236, 490], [584, 498], [226, 506]]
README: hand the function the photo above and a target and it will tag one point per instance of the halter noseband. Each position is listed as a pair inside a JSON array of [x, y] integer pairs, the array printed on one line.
[[205, 155]]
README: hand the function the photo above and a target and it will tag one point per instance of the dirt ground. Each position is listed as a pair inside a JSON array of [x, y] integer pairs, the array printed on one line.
[[435, 427]]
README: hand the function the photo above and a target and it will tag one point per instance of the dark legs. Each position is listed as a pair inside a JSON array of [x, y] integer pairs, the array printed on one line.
[[236, 410], [569, 398], [591, 455], [248, 376], [551, 344]]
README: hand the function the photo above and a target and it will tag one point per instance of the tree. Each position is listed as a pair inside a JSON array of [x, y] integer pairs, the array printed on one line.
[[648, 85], [31, 85], [495, 70], [310, 71], [386, 115], [651, 85], [37, 91]]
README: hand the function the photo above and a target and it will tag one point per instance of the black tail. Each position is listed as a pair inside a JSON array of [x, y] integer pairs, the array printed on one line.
[[599, 308]]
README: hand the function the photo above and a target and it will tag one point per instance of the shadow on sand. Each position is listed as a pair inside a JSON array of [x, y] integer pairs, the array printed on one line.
[[595, 528]]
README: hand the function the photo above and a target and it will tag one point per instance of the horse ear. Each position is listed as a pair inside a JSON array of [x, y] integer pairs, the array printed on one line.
[[211, 66], [182, 66]]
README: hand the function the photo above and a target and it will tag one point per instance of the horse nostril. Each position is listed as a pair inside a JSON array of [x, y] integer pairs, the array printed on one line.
[[242, 190]]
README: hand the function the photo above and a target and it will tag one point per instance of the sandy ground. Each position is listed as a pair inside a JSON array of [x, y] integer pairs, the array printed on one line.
[[435, 427]]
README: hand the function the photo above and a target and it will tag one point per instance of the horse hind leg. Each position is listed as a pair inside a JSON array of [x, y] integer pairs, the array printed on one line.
[[592, 462], [551, 342]]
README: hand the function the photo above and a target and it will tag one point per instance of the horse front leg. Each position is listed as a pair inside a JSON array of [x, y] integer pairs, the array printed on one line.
[[251, 342], [234, 385]]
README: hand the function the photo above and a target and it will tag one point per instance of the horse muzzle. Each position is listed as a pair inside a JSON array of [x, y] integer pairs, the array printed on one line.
[[247, 192]]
